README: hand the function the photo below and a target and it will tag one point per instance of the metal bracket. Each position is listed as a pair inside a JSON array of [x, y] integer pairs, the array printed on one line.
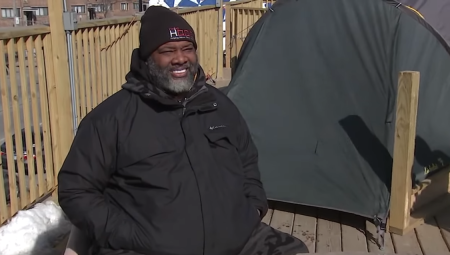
[[70, 21]]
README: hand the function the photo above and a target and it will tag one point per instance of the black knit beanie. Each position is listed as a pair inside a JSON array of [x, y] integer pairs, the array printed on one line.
[[160, 25]]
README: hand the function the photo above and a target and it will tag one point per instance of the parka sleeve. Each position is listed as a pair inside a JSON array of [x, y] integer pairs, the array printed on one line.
[[253, 186], [82, 181]]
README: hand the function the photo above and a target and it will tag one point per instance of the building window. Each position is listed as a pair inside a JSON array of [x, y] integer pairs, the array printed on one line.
[[136, 6], [99, 7], [41, 11], [8, 12], [124, 6], [79, 8]]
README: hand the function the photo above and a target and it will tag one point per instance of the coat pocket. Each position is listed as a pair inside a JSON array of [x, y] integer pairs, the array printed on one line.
[[224, 148]]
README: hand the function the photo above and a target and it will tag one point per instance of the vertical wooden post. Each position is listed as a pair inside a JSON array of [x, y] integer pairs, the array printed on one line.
[[228, 33], [404, 143], [219, 70], [60, 89]]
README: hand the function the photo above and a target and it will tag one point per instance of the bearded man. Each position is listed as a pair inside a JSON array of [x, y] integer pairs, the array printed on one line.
[[167, 166]]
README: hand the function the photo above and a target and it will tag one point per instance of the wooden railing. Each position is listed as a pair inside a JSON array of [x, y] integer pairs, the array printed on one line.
[[239, 20], [26, 80], [101, 51], [37, 124]]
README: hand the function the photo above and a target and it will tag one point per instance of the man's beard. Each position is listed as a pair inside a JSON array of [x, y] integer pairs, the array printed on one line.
[[163, 79]]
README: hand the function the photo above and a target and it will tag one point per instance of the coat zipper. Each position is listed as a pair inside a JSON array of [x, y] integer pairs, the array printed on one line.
[[187, 100]]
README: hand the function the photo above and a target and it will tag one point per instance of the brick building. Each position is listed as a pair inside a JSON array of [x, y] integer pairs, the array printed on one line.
[[31, 12]]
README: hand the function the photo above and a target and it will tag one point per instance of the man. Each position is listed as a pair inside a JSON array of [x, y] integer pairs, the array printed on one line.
[[167, 166]]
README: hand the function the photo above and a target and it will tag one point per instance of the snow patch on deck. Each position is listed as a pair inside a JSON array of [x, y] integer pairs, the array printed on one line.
[[35, 231]]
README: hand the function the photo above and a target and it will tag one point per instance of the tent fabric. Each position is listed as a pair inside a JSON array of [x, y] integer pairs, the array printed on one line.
[[436, 13], [316, 81]]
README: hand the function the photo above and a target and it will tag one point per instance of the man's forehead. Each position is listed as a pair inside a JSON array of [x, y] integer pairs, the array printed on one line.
[[177, 44]]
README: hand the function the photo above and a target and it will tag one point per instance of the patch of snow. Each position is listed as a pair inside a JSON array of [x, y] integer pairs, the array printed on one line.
[[34, 231]]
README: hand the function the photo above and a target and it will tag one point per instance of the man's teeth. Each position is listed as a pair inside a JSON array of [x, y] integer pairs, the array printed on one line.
[[179, 71]]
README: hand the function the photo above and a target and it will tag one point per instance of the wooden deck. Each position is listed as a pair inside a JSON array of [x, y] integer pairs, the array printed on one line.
[[326, 231], [330, 232]]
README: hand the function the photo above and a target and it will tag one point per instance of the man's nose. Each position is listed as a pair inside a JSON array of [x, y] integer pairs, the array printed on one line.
[[179, 57]]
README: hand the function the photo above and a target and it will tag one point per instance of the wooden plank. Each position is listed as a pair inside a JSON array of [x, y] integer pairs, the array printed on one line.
[[353, 233], [283, 217], [403, 156], [443, 221], [81, 84], [372, 245], [61, 99], [407, 243], [193, 9], [328, 231], [16, 114], [229, 25], [21, 47], [5, 211], [35, 108], [430, 238], [431, 209], [355, 253], [49, 108], [16, 32], [219, 42], [45, 119], [254, 9], [305, 224], [108, 21]]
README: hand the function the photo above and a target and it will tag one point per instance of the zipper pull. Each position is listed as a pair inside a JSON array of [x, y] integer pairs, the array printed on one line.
[[184, 103]]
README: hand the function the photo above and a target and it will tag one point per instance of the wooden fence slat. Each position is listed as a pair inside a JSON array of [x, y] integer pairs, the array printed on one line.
[[103, 64], [4, 212], [34, 184], [37, 119], [87, 74], [47, 180], [17, 123], [92, 69], [48, 91], [81, 78], [24, 83], [98, 70]]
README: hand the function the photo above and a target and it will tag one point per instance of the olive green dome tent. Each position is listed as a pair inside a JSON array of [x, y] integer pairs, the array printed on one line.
[[316, 81]]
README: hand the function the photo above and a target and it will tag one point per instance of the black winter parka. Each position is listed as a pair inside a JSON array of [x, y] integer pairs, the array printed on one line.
[[153, 175]]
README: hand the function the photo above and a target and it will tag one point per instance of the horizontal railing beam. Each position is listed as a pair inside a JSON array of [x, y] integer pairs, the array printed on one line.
[[16, 32]]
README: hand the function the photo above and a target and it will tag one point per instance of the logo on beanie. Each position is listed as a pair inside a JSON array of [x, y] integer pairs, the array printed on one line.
[[178, 33]]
